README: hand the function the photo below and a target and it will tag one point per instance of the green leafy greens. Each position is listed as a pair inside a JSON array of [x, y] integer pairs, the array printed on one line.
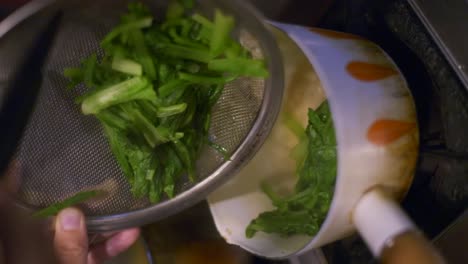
[[155, 87], [71, 201], [304, 211]]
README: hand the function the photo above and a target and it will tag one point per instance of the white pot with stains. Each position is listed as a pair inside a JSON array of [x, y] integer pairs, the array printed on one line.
[[377, 136]]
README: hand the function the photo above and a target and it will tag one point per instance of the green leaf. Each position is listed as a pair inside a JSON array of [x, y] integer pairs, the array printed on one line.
[[303, 211], [55, 208], [153, 135], [89, 67], [284, 223], [223, 25], [172, 171], [142, 162], [239, 66], [188, 4], [189, 53], [169, 87], [174, 10], [185, 41], [165, 111], [205, 22], [203, 79], [119, 146], [75, 75], [184, 154], [127, 27], [143, 55]]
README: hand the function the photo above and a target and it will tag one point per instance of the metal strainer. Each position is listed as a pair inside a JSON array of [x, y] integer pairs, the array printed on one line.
[[63, 152]]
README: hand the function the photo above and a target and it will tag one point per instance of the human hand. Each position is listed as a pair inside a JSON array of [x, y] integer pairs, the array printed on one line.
[[25, 239], [71, 243]]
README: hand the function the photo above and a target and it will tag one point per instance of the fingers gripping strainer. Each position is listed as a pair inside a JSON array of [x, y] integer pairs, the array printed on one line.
[[63, 152]]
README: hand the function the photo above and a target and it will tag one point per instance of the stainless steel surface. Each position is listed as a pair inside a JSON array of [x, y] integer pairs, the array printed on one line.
[[447, 22], [63, 152], [20, 15]]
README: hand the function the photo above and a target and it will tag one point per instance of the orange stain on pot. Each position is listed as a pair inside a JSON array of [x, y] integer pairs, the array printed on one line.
[[385, 131], [334, 34], [367, 72]]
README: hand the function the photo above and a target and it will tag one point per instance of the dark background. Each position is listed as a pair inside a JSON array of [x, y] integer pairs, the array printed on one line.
[[440, 189]]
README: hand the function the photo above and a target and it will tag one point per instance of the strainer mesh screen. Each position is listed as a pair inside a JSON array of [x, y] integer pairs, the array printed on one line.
[[63, 152]]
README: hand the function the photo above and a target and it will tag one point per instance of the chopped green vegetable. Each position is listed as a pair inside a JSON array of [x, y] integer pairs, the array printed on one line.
[[127, 27], [239, 66], [223, 25], [89, 66], [197, 78], [165, 111], [118, 143], [155, 87], [142, 54], [127, 66], [75, 75], [171, 86], [175, 10], [133, 89], [188, 53], [304, 211], [205, 22], [188, 3], [71, 201]]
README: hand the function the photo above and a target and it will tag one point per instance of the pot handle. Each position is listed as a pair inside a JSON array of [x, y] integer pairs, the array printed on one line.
[[389, 233]]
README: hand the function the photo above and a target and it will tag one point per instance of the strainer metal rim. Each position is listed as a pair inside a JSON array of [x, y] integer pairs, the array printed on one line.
[[263, 123]]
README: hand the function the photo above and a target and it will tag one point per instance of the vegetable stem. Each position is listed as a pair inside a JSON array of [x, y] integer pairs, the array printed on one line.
[[133, 89], [127, 66], [71, 201]]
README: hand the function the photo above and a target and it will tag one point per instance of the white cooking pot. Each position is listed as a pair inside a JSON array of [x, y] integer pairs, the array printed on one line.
[[377, 136]]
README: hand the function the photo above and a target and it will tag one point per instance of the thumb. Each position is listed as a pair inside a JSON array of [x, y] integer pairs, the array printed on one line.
[[71, 240]]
